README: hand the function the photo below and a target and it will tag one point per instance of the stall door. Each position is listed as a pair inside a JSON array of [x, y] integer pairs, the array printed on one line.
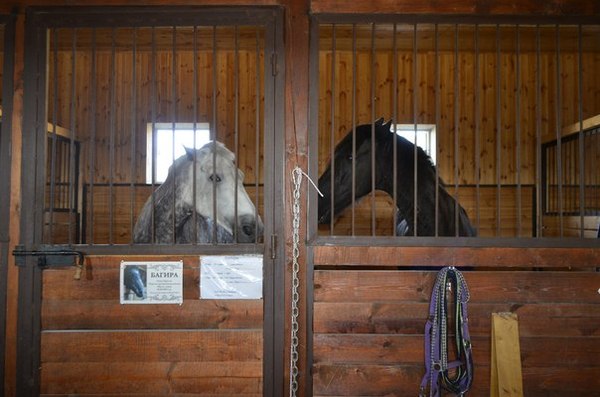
[[147, 250]]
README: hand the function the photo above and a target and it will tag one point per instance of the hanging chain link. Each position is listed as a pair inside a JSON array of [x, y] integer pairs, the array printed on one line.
[[297, 180]]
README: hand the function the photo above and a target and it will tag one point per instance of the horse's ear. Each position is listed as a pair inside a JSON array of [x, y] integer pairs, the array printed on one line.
[[189, 152], [388, 125], [379, 122]]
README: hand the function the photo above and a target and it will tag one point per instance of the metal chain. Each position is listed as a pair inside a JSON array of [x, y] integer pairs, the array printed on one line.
[[297, 180]]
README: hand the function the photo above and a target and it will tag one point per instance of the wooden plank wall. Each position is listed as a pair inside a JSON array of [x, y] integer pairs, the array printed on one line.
[[106, 114], [92, 345], [368, 324], [475, 88]]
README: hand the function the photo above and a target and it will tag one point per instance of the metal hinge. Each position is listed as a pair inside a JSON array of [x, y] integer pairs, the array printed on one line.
[[274, 68], [49, 256], [273, 246]]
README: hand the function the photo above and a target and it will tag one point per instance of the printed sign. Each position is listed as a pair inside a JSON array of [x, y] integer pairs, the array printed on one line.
[[231, 277], [151, 282]]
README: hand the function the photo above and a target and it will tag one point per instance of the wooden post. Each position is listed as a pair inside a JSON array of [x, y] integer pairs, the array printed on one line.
[[506, 379]]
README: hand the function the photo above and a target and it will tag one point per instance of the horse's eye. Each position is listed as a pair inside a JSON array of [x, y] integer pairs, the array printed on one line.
[[215, 178]]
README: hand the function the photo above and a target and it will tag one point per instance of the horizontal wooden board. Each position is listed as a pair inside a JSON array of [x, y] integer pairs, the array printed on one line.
[[160, 378], [408, 318], [390, 380], [151, 346], [93, 301], [192, 314], [499, 257], [491, 287], [388, 349]]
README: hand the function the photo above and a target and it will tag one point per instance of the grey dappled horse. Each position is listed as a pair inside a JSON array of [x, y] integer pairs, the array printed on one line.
[[173, 213], [427, 182]]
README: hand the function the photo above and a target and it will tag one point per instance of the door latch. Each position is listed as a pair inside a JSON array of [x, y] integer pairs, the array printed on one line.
[[49, 256]]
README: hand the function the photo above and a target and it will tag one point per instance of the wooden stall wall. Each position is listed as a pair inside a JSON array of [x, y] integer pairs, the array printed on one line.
[[166, 91], [93, 345], [107, 87], [490, 118], [368, 324]]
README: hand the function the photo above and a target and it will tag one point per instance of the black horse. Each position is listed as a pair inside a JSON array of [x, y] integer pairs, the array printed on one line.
[[427, 182]]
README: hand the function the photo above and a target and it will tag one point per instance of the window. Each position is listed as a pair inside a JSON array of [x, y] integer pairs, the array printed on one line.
[[171, 140], [425, 134]]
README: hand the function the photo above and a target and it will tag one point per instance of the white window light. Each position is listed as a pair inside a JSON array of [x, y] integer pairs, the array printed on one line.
[[171, 140], [425, 136]]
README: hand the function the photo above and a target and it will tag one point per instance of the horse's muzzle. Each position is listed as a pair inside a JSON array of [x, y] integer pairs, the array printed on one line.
[[250, 229]]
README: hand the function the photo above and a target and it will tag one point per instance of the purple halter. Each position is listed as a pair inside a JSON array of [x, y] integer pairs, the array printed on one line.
[[436, 338]]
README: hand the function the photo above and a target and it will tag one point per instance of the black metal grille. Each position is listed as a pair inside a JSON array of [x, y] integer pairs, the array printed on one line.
[[496, 91]]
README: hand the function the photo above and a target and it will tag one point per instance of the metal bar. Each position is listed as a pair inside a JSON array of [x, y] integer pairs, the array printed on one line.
[[132, 136], [372, 194], [518, 129], [112, 120], [53, 149], [477, 134], [173, 125], [454, 19], [158, 16], [154, 93], [35, 142], [5, 169], [559, 163], [395, 127], [214, 129], [72, 205], [354, 68], [332, 132], [581, 137], [498, 131], [538, 136], [195, 126], [437, 123], [415, 85], [257, 130], [456, 127], [236, 128], [455, 242]]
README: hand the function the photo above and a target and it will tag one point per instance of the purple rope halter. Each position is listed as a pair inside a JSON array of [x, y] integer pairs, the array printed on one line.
[[437, 365]]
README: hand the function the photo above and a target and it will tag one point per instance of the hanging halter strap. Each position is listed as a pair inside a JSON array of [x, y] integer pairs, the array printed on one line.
[[455, 376]]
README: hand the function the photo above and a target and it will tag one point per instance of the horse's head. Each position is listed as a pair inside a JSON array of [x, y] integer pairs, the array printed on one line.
[[219, 191], [352, 161]]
